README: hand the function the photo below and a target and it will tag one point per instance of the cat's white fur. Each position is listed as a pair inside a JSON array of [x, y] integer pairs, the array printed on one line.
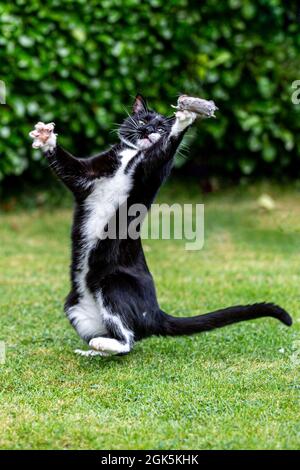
[[40, 131], [89, 315], [183, 119]]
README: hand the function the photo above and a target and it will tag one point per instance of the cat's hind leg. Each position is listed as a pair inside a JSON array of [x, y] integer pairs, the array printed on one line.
[[85, 317], [109, 346], [97, 326], [119, 338]]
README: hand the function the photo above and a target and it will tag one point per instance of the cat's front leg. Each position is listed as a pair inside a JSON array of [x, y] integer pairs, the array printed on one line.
[[71, 170], [184, 119]]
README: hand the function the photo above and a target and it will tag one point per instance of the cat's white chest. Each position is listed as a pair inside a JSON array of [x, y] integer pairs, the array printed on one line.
[[107, 195]]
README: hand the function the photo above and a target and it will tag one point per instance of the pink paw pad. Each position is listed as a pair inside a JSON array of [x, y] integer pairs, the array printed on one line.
[[43, 136]]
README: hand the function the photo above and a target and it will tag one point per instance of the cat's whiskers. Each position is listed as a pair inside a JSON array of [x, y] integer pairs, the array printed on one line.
[[131, 118]]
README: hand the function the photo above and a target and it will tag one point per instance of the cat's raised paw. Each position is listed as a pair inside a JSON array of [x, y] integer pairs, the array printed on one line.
[[184, 119], [185, 116], [43, 136]]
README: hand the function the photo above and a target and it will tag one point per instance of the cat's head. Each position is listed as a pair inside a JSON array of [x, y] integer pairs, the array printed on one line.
[[144, 127]]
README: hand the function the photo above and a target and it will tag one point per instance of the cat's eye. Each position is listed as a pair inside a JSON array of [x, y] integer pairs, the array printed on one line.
[[160, 130], [141, 122]]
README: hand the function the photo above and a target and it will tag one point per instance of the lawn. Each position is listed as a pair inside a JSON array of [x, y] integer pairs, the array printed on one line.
[[233, 388]]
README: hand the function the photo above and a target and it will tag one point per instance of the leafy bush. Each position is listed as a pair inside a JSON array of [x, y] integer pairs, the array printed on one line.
[[78, 63]]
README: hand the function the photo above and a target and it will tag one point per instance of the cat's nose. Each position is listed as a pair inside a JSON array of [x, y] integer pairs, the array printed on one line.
[[150, 129]]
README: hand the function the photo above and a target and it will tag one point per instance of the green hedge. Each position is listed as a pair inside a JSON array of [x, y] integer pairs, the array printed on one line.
[[79, 62]]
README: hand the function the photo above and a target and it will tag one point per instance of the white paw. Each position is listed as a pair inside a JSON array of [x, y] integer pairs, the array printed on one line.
[[43, 136], [98, 344], [101, 344], [109, 345], [90, 353], [185, 117], [183, 120]]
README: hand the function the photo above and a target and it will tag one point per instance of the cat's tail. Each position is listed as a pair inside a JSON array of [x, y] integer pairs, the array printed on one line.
[[173, 326]]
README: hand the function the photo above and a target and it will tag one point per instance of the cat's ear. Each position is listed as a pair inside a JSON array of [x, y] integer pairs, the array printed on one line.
[[139, 104]]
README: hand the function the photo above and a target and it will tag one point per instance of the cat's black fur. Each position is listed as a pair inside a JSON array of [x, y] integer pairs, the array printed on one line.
[[116, 269]]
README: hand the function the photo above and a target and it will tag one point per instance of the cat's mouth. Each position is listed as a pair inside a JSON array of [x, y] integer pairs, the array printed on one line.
[[148, 140]]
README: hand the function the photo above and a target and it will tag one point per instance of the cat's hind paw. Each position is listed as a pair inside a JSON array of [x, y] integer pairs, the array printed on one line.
[[90, 353], [109, 346], [43, 136]]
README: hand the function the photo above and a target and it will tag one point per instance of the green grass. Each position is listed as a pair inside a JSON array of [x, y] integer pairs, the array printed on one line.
[[233, 388]]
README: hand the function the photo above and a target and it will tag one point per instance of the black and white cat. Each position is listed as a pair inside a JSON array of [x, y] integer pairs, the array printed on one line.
[[112, 303]]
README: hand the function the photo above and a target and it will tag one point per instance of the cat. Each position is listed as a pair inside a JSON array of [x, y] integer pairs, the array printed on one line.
[[113, 303]]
